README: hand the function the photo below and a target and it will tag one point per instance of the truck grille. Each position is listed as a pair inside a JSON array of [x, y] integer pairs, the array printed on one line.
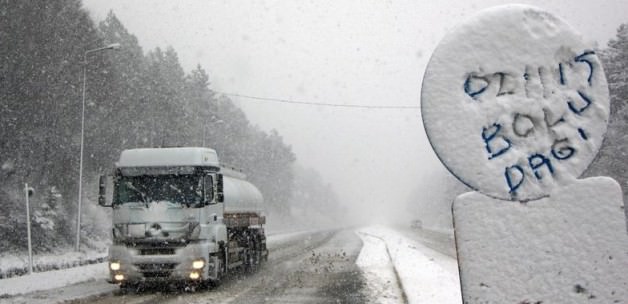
[[157, 251], [156, 270]]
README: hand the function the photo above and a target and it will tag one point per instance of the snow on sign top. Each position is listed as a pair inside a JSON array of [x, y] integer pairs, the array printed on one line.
[[515, 103]]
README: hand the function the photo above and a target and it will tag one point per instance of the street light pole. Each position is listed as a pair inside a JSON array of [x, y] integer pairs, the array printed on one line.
[[113, 46], [28, 191]]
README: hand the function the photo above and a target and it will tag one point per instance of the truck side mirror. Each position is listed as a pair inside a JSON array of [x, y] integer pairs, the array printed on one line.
[[102, 191], [220, 195]]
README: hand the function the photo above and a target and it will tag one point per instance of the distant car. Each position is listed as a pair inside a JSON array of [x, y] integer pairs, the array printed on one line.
[[416, 224]]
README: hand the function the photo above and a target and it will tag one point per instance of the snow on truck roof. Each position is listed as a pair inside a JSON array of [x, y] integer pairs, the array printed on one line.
[[165, 157]]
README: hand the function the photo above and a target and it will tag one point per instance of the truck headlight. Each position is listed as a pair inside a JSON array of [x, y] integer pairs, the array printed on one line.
[[114, 266], [194, 275], [119, 277], [198, 264]]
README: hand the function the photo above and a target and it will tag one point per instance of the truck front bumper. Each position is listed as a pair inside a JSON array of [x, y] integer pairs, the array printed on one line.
[[137, 264]]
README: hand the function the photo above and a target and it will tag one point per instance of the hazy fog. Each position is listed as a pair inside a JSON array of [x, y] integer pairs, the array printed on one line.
[[343, 52]]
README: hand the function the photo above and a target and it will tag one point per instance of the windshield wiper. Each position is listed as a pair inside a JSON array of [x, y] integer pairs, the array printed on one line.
[[144, 197], [184, 198]]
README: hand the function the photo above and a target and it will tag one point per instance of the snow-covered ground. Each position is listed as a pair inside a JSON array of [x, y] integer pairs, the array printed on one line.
[[12, 265], [47, 280], [379, 271], [424, 276], [52, 279], [394, 266]]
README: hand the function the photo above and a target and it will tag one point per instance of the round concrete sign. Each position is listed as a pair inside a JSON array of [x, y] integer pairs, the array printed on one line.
[[514, 102]]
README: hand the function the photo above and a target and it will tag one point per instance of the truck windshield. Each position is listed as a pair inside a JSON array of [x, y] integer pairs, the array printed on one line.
[[182, 189]]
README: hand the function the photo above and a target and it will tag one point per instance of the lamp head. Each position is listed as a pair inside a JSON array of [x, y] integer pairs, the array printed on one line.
[[114, 46], [30, 191]]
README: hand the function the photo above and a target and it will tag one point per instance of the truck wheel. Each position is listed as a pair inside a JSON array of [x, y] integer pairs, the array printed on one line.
[[212, 283], [128, 286]]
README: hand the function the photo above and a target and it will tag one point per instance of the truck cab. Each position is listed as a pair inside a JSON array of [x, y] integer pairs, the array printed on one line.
[[170, 221]]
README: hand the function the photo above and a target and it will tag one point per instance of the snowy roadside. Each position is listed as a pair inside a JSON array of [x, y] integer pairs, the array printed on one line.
[[379, 271], [52, 279], [425, 276], [284, 236], [12, 265]]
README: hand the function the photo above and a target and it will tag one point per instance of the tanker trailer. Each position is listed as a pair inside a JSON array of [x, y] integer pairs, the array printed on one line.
[[179, 216]]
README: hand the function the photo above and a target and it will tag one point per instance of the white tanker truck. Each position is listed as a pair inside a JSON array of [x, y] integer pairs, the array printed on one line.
[[179, 216]]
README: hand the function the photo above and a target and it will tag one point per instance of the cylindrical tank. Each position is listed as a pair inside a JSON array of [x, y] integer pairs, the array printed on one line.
[[241, 196]]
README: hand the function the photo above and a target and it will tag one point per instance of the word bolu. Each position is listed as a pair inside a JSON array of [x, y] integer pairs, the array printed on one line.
[[497, 143]]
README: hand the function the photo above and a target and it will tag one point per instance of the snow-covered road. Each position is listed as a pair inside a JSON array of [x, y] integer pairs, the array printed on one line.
[[368, 265], [422, 274]]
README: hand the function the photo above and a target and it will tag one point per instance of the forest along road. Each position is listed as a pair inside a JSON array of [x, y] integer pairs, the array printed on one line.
[[314, 267]]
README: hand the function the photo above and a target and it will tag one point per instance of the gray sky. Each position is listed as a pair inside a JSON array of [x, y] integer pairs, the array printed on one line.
[[347, 52]]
